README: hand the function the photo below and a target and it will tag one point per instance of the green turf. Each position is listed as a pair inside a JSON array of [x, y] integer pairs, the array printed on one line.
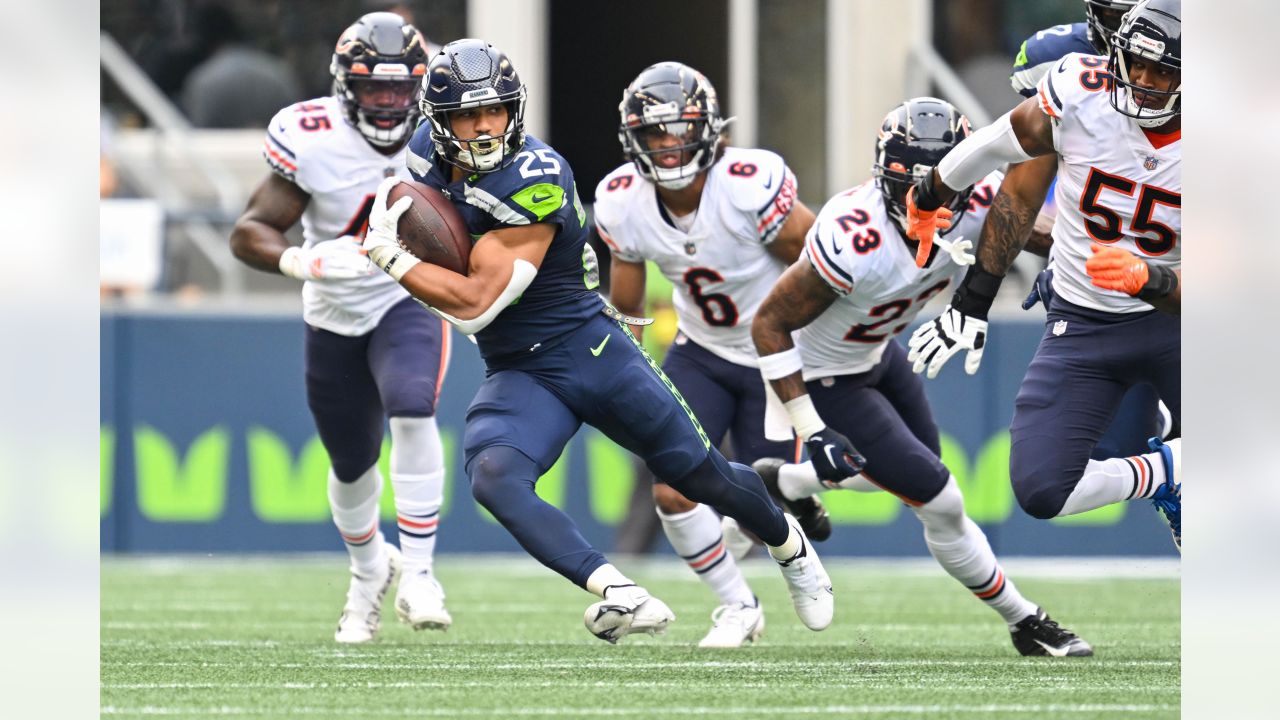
[[252, 637]]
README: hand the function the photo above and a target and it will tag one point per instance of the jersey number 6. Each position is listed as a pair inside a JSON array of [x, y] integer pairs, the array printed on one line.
[[718, 309]]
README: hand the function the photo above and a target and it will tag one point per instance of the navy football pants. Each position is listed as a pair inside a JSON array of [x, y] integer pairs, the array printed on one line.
[[1073, 388], [355, 383]]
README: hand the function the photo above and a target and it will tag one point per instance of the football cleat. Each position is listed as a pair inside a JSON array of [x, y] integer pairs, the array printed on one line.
[[809, 511], [1168, 497], [362, 615], [738, 541], [809, 584], [1038, 634], [627, 609], [420, 603], [734, 626]]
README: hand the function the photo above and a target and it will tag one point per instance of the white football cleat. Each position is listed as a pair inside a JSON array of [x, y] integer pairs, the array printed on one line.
[[737, 541], [626, 610], [420, 602], [734, 626], [809, 583], [362, 615]]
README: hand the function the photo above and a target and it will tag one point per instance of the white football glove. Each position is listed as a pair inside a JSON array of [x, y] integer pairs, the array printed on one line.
[[380, 240], [933, 343], [338, 259], [958, 249]]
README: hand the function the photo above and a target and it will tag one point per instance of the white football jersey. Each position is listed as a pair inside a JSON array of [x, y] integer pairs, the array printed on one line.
[[1117, 185], [856, 248], [720, 267], [312, 145]]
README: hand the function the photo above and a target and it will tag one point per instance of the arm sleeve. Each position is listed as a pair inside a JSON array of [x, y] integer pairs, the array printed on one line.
[[820, 248], [610, 217], [279, 149]]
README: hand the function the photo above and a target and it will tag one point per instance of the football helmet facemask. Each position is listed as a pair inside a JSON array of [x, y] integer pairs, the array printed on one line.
[[671, 124], [376, 67], [913, 139], [1152, 33], [1102, 18], [471, 74]]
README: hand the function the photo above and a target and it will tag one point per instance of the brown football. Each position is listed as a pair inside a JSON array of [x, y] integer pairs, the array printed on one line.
[[432, 229]]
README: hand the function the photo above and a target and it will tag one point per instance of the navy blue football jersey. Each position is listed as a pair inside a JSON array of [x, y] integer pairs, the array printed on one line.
[[537, 187], [1040, 51]]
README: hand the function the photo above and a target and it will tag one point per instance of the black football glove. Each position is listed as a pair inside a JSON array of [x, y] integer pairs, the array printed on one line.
[[834, 457]]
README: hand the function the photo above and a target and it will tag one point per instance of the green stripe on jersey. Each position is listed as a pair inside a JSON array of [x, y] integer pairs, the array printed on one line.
[[541, 199]]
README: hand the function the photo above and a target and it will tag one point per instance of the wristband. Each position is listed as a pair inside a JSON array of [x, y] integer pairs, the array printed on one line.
[[1161, 280], [976, 292], [926, 199], [290, 265], [781, 364], [804, 418], [400, 263]]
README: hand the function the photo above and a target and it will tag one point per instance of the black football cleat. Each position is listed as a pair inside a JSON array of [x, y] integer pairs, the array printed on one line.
[[809, 511], [1039, 634]]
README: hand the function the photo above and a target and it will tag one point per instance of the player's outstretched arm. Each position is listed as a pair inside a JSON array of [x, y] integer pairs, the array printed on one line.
[[1010, 222], [798, 298], [1020, 134], [626, 290]]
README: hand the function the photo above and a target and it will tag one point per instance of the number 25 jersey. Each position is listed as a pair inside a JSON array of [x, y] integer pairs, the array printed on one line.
[[1117, 185], [720, 266]]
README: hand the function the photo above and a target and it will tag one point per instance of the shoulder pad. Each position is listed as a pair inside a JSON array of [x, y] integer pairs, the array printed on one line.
[[613, 194], [295, 131], [760, 183], [1070, 80]]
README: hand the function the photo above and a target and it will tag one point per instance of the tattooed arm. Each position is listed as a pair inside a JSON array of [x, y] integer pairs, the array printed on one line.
[[1013, 213], [797, 299]]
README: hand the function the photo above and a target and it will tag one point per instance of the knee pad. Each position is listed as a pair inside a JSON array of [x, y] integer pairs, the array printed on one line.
[[499, 473], [415, 446]]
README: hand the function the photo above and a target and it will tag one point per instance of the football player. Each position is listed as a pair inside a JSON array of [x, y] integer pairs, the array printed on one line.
[[1115, 128], [720, 223], [1141, 414], [371, 352], [556, 354], [845, 379]]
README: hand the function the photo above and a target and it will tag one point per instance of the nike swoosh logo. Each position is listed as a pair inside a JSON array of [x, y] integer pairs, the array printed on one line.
[[600, 348], [539, 199], [1053, 651], [838, 249], [769, 183], [827, 450]]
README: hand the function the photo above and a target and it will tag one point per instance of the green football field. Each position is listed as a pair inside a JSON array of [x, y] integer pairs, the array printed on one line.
[[252, 637]]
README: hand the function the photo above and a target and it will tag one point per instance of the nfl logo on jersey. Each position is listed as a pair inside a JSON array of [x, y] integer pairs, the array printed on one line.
[[1060, 327], [1150, 163]]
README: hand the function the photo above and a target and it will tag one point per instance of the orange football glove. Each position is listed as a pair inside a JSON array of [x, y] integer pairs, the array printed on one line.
[[1115, 269], [923, 224]]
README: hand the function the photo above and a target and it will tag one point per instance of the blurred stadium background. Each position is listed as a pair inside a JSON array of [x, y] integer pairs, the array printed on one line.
[[207, 445]]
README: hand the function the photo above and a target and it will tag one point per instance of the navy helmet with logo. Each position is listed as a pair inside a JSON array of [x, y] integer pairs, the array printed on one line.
[[376, 68], [1102, 19], [914, 138], [467, 74], [1151, 33], [670, 98]]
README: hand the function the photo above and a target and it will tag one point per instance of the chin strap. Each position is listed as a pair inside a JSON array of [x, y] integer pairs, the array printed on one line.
[[522, 274]]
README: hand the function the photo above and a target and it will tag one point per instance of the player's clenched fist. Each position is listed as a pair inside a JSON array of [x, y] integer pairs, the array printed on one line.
[[1113, 268], [339, 259], [834, 457]]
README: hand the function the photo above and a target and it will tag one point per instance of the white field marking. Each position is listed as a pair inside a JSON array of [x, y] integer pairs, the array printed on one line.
[[623, 663], [519, 565], [666, 710], [847, 681]]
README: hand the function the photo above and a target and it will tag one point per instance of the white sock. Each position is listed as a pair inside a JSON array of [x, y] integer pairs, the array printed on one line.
[[355, 511], [417, 477], [961, 548], [697, 538], [1114, 480], [801, 481], [604, 577]]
